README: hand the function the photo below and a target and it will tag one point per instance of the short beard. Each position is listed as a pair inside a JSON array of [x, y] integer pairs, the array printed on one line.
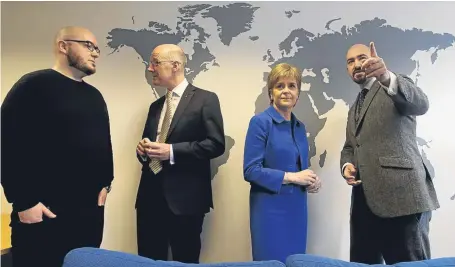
[[77, 63], [361, 81]]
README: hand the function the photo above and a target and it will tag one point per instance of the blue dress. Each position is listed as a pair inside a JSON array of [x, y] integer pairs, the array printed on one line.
[[278, 213]]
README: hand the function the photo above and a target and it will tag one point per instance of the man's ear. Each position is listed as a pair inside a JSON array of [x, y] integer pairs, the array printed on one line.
[[62, 47], [175, 66]]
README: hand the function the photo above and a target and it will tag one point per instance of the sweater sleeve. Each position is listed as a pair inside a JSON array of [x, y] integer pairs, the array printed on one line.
[[20, 113]]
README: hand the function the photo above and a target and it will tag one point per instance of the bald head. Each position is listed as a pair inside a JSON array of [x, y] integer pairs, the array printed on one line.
[[167, 65], [76, 48], [74, 33], [358, 48], [170, 52], [71, 32]]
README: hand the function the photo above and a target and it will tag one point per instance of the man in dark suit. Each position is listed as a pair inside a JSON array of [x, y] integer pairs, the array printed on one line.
[[393, 193], [183, 132]]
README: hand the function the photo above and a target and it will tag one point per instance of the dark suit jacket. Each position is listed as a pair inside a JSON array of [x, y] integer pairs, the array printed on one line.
[[383, 148], [197, 136]]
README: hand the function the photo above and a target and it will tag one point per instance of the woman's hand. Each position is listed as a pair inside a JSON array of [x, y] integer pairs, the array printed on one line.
[[314, 188], [304, 178]]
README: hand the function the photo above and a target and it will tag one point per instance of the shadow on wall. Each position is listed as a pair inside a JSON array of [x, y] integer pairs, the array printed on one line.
[[221, 160]]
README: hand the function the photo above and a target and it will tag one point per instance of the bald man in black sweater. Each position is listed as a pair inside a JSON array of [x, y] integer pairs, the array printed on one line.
[[57, 163]]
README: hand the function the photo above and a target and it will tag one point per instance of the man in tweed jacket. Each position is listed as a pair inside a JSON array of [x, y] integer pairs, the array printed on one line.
[[393, 193]]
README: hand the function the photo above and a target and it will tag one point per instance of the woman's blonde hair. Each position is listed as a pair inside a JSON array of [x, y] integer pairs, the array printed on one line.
[[283, 70]]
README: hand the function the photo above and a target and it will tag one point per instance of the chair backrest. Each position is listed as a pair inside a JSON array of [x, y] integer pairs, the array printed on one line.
[[307, 260], [95, 257]]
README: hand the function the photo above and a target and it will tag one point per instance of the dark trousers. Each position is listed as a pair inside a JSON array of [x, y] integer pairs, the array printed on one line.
[[158, 227], [47, 243], [374, 239]]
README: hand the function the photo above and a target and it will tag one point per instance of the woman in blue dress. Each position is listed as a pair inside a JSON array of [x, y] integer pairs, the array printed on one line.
[[276, 166]]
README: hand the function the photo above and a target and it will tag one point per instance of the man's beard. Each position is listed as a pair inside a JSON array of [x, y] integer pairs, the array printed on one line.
[[78, 63], [359, 81]]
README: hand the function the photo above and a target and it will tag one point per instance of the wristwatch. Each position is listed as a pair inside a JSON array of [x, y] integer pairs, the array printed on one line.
[[108, 188]]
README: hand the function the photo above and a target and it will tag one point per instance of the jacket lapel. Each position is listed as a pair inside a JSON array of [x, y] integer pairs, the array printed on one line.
[[183, 103], [155, 119], [366, 103], [351, 118]]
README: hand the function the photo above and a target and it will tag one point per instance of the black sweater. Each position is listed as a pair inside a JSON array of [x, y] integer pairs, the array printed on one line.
[[56, 145]]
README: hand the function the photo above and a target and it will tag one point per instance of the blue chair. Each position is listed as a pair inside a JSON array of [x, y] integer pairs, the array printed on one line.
[[94, 257], [307, 260]]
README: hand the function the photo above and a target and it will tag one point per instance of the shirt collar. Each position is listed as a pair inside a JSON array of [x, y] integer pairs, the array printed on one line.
[[180, 88], [278, 118], [368, 83]]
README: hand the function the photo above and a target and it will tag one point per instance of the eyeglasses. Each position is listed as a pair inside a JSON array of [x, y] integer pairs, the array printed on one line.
[[156, 63], [90, 46]]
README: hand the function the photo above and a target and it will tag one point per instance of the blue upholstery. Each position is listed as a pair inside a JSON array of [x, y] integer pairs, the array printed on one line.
[[92, 257], [306, 260], [440, 262]]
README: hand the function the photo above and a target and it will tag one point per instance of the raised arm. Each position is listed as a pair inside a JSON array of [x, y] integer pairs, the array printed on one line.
[[408, 98]]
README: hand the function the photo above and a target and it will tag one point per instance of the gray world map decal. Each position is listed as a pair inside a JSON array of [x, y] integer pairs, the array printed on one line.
[[321, 54]]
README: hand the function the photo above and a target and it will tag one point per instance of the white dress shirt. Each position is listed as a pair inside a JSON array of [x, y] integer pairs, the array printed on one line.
[[391, 90], [177, 93]]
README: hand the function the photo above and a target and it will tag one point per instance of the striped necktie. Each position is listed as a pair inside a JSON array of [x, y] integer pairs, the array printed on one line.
[[362, 95], [155, 164]]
